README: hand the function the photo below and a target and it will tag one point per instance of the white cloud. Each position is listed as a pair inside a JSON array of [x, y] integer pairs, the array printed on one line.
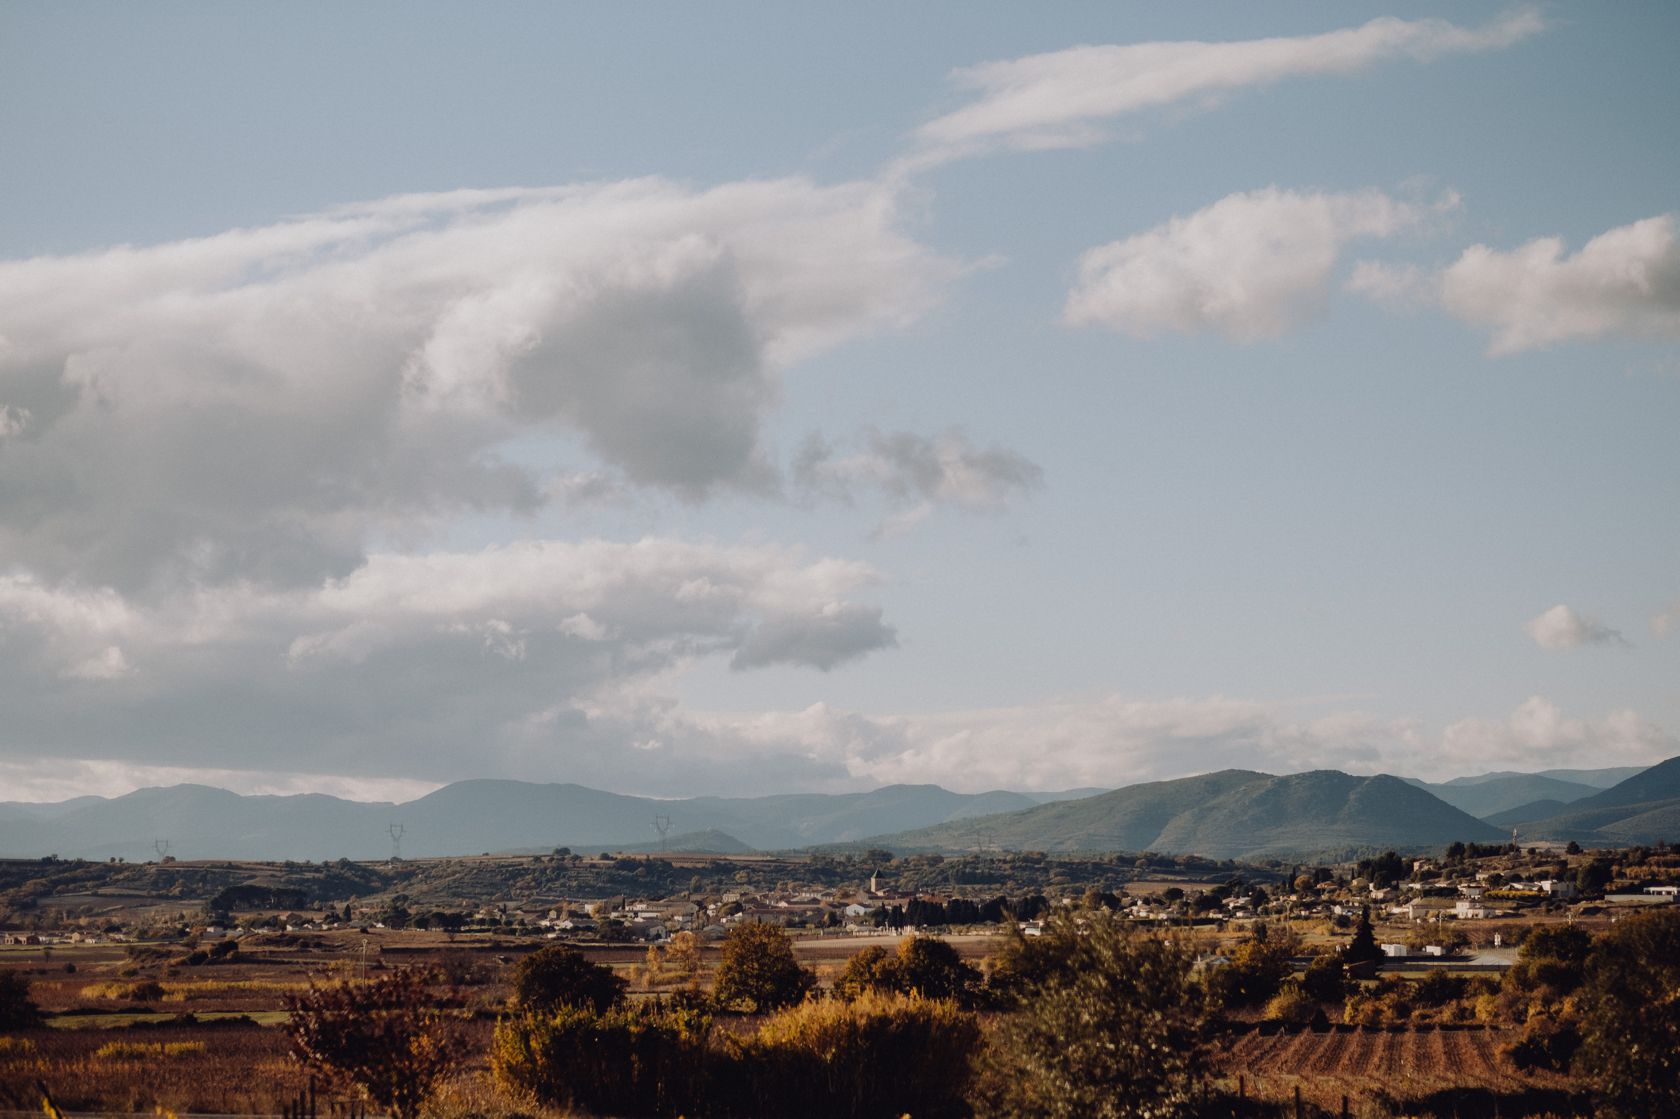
[[1538, 735], [1398, 287], [1562, 628], [1622, 282], [1667, 621], [1250, 266], [1063, 98], [437, 666], [58, 779], [580, 727], [918, 471], [260, 403], [1111, 740]]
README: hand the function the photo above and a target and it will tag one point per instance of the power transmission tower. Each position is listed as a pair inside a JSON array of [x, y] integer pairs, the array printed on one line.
[[161, 846], [396, 831], [662, 824]]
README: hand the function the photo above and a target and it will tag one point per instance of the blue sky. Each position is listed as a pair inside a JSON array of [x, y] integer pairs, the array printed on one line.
[[752, 398]]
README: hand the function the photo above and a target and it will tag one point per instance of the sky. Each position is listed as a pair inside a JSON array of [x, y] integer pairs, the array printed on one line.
[[735, 399]]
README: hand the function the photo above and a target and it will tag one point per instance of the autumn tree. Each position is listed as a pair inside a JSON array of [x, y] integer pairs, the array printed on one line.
[[922, 965], [557, 975], [682, 955], [389, 1037], [757, 968]]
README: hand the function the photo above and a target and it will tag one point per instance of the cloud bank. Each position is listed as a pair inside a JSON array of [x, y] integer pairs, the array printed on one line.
[[435, 666]]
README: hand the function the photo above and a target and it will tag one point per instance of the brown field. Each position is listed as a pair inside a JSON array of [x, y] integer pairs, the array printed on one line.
[[106, 1051], [1383, 1072]]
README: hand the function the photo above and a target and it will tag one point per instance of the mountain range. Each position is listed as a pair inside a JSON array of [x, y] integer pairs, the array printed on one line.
[[1233, 814], [465, 818], [1229, 814]]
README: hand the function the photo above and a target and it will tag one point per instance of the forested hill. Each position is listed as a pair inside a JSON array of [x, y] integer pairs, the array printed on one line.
[[1230, 814]]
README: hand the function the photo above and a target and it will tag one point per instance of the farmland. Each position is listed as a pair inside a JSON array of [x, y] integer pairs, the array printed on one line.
[[1379, 1070], [166, 985]]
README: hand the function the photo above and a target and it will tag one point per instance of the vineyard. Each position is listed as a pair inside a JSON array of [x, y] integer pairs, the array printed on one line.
[[1445, 1071]]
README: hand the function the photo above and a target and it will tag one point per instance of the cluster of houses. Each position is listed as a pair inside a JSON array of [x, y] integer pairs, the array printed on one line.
[[711, 917]]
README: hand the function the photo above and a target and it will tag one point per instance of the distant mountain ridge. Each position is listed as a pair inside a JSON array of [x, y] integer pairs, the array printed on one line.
[[1493, 794], [1645, 808], [465, 818], [1231, 814]]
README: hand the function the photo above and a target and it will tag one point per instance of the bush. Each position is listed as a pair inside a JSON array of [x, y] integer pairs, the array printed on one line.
[[1257, 969], [1631, 1016], [1546, 1043], [758, 969], [879, 1055], [17, 1010], [388, 1037], [556, 976], [1325, 979], [922, 965], [1109, 1024], [1291, 1004], [616, 1062]]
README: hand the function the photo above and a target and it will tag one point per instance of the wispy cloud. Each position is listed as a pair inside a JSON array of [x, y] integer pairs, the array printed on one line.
[[1065, 98], [917, 473]]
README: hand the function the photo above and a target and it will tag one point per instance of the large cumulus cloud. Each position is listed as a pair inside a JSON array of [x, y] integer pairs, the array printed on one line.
[[260, 403]]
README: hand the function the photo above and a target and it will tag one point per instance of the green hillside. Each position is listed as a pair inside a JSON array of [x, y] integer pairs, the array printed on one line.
[[1230, 814]]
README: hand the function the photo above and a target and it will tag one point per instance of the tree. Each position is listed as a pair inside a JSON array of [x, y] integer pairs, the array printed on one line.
[[17, 1010], [1325, 980], [1363, 947], [556, 976], [873, 969], [1108, 1024], [1256, 970], [1631, 1016], [923, 965], [757, 968], [388, 1037], [683, 956]]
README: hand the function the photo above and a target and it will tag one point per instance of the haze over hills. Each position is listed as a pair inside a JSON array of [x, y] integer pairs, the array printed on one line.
[[1495, 793], [467, 817], [1231, 814], [1645, 808]]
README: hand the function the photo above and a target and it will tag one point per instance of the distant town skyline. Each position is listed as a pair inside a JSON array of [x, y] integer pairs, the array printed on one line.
[[683, 400]]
